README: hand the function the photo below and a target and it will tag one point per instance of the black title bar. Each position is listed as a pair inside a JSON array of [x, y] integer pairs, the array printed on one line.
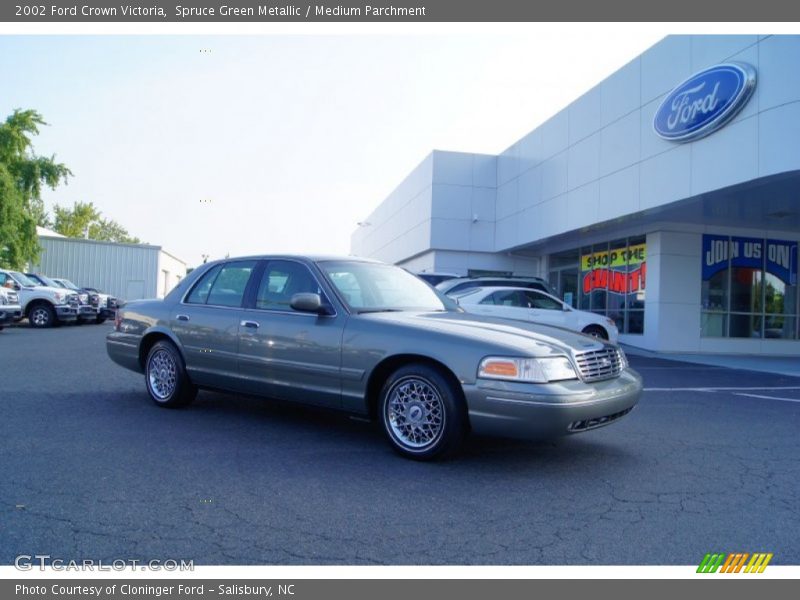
[[244, 11]]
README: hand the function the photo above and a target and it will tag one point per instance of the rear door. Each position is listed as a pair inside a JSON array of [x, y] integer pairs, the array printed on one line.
[[508, 304], [288, 354], [544, 309], [207, 324]]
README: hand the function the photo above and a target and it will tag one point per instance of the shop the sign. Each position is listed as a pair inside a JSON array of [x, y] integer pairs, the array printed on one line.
[[704, 102], [621, 271], [778, 257]]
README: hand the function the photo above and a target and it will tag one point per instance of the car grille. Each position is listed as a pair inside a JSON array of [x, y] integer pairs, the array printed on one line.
[[112, 302], [599, 364], [73, 300], [588, 424], [94, 300]]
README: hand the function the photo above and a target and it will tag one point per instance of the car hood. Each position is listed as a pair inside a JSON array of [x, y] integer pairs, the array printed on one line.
[[505, 332], [49, 290]]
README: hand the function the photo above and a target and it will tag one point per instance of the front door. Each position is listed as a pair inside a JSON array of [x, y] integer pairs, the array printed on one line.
[[288, 354]]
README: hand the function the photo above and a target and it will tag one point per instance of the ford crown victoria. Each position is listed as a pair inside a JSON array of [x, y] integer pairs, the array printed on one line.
[[372, 340]]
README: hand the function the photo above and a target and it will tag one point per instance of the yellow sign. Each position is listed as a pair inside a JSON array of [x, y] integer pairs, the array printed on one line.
[[619, 257]]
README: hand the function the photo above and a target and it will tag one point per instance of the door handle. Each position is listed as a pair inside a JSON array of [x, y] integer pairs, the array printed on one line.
[[251, 324], [182, 317]]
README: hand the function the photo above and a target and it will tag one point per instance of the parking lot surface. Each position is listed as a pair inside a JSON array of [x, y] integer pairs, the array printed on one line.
[[92, 469]]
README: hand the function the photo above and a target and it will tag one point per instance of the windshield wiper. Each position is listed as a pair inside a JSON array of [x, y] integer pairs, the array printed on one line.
[[378, 310]]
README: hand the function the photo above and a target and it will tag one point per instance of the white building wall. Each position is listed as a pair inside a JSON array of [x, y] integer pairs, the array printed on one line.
[[599, 158], [171, 271], [127, 271]]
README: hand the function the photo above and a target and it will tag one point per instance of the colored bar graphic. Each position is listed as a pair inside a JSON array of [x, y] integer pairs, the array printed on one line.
[[734, 562], [710, 563]]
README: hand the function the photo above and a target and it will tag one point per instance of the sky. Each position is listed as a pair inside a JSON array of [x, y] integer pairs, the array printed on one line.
[[244, 144]]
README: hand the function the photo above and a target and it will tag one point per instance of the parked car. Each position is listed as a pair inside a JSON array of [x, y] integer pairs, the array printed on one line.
[[87, 311], [108, 304], [434, 278], [457, 286], [372, 340], [535, 306], [44, 306], [90, 301], [10, 309]]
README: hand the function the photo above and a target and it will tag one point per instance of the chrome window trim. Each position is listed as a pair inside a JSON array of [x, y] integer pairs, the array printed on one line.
[[199, 279]]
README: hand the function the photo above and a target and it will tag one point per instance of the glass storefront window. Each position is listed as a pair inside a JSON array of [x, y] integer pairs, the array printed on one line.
[[749, 288], [607, 278]]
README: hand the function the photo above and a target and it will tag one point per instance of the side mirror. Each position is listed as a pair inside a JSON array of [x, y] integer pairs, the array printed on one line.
[[16, 286], [306, 303]]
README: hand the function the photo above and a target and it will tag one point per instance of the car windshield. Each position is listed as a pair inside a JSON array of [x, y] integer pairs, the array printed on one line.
[[49, 282], [374, 287], [67, 283], [23, 280]]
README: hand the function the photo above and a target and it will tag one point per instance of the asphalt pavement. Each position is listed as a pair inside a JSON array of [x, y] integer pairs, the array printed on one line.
[[91, 469]]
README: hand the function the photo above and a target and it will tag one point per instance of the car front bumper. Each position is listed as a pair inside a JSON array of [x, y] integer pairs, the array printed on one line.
[[87, 312], [66, 313], [542, 411], [10, 312]]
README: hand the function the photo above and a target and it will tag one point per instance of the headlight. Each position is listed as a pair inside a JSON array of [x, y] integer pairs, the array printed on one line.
[[611, 322], [3, 299], [60, 297], [531, 370], [623, 360]]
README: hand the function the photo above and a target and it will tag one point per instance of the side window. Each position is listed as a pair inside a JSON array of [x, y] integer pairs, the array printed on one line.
[[542, 302], [281, 280], [511, 298], [223, 285], [199, 294]]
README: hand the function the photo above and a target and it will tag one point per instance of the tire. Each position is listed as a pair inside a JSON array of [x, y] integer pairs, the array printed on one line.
[[42, 315], [165, 377], [596, 331], [99, 320], [423, 394]]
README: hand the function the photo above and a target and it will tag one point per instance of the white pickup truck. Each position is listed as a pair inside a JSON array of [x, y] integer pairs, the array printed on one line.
[[10, 310], [43, 306]]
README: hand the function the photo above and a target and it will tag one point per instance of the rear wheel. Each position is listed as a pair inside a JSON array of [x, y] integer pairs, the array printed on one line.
[[41, 315], [165, 377], [596, 331], [423, 413]]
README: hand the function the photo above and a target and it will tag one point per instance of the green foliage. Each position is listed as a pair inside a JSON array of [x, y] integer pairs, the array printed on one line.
[[22, 175], [85, 220]]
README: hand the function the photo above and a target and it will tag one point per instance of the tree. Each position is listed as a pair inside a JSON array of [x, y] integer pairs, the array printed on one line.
[[84, 220], [22, 175]]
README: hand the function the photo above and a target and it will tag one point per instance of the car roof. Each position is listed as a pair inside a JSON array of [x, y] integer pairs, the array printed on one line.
[[498, 288], [308, 257]]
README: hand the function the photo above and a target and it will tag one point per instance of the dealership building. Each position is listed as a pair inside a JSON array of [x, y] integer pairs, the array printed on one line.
[[667, 197]]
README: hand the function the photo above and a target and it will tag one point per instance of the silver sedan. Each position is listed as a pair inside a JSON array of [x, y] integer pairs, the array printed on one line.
[[370, 339]]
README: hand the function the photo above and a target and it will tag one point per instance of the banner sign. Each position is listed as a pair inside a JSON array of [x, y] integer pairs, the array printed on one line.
[[778, 257], [620, 271]]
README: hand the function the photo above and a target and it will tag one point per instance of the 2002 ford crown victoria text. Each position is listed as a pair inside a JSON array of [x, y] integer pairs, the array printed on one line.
[[370, 339]]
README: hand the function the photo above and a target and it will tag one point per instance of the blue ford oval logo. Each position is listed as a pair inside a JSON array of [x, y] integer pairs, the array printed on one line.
[[704, 102]]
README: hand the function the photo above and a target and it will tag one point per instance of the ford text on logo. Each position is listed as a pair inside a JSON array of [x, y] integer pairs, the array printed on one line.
[[704, 102]]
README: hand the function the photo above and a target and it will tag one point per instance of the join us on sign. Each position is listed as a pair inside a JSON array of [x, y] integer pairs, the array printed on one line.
[[778, 257]]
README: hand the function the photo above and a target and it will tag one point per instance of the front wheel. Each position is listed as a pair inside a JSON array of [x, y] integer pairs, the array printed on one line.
[[423, 413], [596, 331], [42, 315], [165, 377]]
